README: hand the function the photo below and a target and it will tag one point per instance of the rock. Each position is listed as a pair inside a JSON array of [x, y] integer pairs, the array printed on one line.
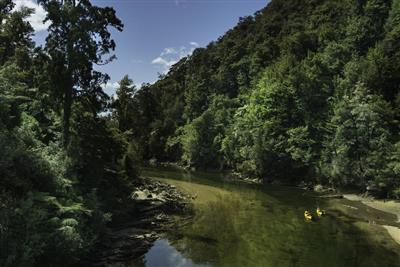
[[161, 217], [148, 235], [323, 189], [145, 195], [154, 201], [140, 195], [318, 188], [153, 162], [139, 236]]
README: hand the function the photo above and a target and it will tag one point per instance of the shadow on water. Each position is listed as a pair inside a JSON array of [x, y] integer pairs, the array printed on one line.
[[258, 226]]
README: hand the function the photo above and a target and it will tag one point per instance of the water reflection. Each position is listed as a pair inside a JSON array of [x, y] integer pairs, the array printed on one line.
[[162, 254], [241, 225]]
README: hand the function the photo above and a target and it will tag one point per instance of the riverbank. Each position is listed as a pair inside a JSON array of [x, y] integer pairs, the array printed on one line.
[[389, 206], [378, 218], [156, 207]]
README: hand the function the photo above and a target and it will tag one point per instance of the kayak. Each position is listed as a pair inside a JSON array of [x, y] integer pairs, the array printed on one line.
[[320, 212], [308, 216]]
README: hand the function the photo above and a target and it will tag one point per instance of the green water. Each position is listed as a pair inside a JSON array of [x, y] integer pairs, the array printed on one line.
[[254, 225]]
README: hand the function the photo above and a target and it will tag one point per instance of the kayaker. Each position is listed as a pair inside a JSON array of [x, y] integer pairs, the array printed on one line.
[[307, 215], [320, 212]]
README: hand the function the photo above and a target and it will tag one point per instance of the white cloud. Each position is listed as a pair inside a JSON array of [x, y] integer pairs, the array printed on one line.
[[168, 51], [36, 19], [138, 85], [110, 88], [161, 61], [171, 55]]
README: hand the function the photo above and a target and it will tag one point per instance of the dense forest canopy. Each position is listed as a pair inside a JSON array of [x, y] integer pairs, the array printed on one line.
[[301, 91], [65, 170]]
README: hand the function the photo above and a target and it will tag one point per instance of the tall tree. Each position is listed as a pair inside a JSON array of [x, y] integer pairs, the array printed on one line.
[[15, 31], [78, 38], [123, 103]]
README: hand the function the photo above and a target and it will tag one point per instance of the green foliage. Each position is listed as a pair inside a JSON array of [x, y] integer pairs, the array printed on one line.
[[394, 172], [74, 25], [296, 92], [101, 157], [124, 103], [313, 86], [55, 201], [39, 197], [15, 33], [201, 139], [361, 143], [300, 145]]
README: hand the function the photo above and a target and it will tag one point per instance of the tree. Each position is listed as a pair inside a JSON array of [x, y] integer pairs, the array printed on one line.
[[201, 139], [123, 105], [362, 142], [15, 32], [78, 38]]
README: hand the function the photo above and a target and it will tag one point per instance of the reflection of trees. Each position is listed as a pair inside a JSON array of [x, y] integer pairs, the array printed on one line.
[[243, 230], [214, 235]]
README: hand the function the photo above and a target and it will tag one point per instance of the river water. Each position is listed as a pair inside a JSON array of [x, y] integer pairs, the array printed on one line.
[[242, 225]]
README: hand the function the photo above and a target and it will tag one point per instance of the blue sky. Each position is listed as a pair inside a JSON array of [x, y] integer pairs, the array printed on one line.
[[158, 32]]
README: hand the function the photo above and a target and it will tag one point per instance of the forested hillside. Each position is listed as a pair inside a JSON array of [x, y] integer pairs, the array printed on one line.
[[65, 171], [301, 91]]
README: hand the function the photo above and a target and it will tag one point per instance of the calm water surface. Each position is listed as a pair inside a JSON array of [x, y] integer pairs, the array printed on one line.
[[253, 225]]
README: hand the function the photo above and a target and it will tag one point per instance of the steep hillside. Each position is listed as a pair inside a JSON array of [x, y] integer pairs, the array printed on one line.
[[302, 90]]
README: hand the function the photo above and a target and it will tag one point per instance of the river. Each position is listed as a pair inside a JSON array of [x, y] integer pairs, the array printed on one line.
[[237, 224]]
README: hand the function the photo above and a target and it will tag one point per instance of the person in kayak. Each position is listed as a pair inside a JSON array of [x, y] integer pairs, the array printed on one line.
[[307, 215], [320, 212]]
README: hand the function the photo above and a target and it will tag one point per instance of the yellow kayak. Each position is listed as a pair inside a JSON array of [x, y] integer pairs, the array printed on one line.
[[308, 216], [320, 212]]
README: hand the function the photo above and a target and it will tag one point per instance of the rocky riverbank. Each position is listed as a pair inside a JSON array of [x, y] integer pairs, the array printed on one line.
[[156, 205]]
